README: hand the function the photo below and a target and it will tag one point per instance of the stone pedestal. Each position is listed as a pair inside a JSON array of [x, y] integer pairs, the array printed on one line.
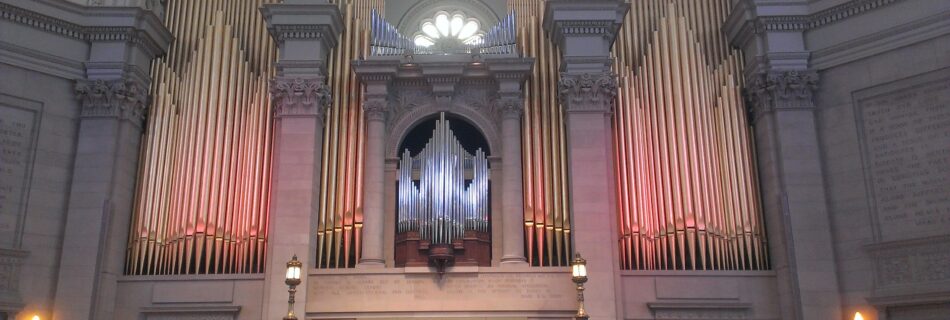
[[305, 34], [584, 33]]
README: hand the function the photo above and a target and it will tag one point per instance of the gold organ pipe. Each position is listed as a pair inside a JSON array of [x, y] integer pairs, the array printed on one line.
[[340, 210], [201, 184], [685, 166]]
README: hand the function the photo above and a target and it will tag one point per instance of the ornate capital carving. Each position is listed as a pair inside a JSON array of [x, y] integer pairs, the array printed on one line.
[[780, 90], [509, 105], [120, 98], [587, 92], [375, 107], [299, 96]]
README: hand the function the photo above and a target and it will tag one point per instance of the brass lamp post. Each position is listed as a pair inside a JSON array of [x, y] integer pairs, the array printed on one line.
[[579, 275], [292, 279]]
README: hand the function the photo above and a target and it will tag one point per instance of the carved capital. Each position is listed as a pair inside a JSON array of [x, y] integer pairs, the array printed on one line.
[[587, 92], [119, 98], [375, 107], [510, 105], [299, 96], [779, 90]]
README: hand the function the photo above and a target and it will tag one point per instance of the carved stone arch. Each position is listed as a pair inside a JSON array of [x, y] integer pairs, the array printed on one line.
[[480, 119]]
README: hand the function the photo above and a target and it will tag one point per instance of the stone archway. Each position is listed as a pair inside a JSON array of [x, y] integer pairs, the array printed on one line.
[[399, 94]]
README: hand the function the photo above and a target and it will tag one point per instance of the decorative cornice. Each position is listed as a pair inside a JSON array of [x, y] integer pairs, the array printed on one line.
[[780, 90], [135, 35], [323, 33], [558, 19], [119, 98], [587, 92], [819, 19], [299, 96]]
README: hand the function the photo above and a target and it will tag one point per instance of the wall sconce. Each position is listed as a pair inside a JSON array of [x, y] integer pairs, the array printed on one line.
[[858, 316], [292, 279], [579, 275], [35, 317]]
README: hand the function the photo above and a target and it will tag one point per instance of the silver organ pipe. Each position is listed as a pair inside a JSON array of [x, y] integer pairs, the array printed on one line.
[[434, 198]]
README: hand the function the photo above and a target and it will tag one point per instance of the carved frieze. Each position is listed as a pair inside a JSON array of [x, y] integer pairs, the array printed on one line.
[[299, 96], [911, 263], [587, 92], [122, 98], [792, 89]]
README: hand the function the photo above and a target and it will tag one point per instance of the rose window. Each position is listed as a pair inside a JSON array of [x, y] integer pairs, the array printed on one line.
[[448, 29]]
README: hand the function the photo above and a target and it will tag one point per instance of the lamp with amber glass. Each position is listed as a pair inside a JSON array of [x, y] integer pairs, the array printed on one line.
[[579, 275], [292, 279]]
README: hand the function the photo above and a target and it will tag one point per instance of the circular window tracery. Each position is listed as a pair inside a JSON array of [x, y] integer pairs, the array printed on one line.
[[448, 29]]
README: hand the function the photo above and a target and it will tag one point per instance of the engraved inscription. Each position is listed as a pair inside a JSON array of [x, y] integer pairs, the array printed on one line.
[[425, 292], [906, 140], [16, 141]]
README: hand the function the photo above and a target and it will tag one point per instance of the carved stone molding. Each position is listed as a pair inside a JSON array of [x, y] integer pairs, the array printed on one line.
[[299, 96], [135, 35], [321, 33], [122, 98], [375, 107], [587, 92], [778, 90], [559, 19], [10, 263], [911, 263]]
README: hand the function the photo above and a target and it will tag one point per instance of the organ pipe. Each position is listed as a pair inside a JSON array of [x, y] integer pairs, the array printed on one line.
[[686, 178], [546, 217], [442, 207], [202, 197], [340, 216]]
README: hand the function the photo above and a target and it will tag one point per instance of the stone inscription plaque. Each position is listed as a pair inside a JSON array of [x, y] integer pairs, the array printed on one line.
[[16, 143], [480, 292], [905, 133]]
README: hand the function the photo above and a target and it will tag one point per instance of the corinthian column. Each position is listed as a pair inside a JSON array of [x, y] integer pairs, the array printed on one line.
[[511, 106], [112, 101], [374, 108], [305, 32]]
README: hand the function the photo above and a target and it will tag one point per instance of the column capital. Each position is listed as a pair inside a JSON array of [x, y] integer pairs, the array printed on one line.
[[123, 98], [509, 105], [299, 96], [587, 93], [781, 90], [375, 107]]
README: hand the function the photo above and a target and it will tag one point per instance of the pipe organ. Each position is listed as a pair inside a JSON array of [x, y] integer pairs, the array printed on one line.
[[340, 213], [434, 199], [686, 182], [687, 185], [546, 216], [201, 203]]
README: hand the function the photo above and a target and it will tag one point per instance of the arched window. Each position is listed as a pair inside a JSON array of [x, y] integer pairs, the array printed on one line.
[[448, 29]]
